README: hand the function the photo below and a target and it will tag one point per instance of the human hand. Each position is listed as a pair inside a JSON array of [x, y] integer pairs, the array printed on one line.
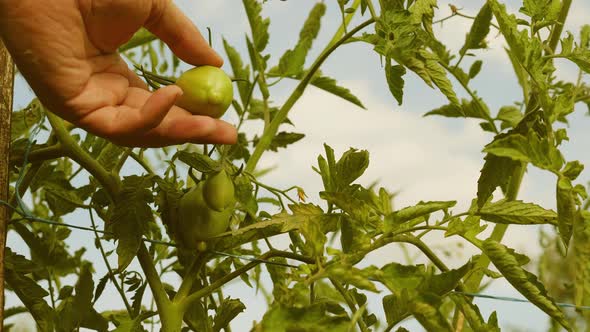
[[67, 51]]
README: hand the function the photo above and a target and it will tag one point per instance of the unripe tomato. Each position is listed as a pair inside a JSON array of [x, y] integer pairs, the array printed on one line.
[[196, 221], [207, 90], [218, 191]]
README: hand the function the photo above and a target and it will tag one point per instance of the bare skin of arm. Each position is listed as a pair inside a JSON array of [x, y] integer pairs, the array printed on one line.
[[66, 50]]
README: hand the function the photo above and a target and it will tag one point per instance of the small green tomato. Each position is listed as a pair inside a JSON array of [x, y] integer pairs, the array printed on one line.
[[196, 221], [219, 191], [207, 90]]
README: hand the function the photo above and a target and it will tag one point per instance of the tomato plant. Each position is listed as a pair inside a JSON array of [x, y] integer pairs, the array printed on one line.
[[172, 234]]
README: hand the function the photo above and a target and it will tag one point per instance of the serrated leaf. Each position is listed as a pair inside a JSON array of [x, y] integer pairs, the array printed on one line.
[[23, 120], [351, 166], [517, 212], [199, 162], [292, 62], [511, 115], [109, 156], [467, 109], [566, 209], [469, 228], [258, 25], [131, 216], [472, 314], [480, 28], [284, 139], [496, 172], [31, 295], [421, 209], [228, 310], [395, 80], [525, 282], [531, 148], [281, 318], [330, 85], [239, 70]]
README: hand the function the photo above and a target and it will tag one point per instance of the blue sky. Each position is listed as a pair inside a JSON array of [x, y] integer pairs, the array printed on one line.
[[429, 158]]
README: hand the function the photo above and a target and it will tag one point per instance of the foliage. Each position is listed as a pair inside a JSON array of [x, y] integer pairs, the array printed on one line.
[[317, 281]]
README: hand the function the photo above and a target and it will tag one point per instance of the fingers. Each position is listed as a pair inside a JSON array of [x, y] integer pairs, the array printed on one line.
[[140, 112], [169, 23], [151, 120]]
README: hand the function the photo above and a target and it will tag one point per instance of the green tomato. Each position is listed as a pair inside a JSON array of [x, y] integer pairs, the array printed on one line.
[[196, 221], [218, 191], [207, 90]]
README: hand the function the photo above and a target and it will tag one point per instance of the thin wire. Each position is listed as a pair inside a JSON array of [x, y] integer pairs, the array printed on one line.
[[513, 299], [253, 259]]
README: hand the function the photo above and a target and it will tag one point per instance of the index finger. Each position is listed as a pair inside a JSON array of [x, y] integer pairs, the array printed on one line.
[[170, 24]]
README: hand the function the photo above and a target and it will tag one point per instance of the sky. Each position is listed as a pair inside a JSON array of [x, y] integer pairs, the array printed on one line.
[[420, 158]]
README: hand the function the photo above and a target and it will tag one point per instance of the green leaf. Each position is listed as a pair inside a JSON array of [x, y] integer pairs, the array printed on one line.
[[496, 172], [356, 208], [109, 156], [292, 62], [258, 25], [228, 310], [480, 28], [397, 277], [468, 228], [566, 209], [467, 109], [397, 306], [426, 311], [352, 276], [141, 37], [131, 216], [31, 295], [517, 40], [472, 314], [239, 69], [330, 85], [510, 115], [283, 139], [200, 162], [22, 121], [422, 209], [531, 148], [438, 75], [395, 80], [525, 282], [306, 319], [475, 68], [517, 212], [351, 166]]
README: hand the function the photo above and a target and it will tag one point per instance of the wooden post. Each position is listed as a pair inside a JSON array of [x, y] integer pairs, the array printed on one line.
[[6, 95]]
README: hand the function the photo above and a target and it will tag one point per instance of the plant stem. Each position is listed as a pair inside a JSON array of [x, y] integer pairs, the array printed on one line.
[[170, 314], [558, 27], [74, 151], [349, 302], [189, 277], [45, 153], [273, 127]]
